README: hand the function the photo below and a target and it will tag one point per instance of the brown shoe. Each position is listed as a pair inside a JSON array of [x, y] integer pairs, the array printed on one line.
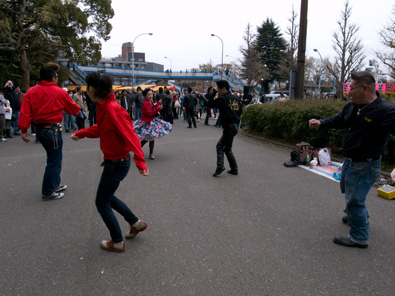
[[151, 156], [113, 247], [137, 227]]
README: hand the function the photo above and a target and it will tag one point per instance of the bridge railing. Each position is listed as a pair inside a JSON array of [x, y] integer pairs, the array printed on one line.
[[143, 73]]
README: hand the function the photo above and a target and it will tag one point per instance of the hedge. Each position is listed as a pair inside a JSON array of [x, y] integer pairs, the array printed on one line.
[[289, 122]]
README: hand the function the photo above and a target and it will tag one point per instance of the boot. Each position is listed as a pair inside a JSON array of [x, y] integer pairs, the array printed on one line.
[[294, 160]]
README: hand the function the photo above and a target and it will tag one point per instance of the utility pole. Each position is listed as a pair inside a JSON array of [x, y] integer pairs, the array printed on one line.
[[301, 50]]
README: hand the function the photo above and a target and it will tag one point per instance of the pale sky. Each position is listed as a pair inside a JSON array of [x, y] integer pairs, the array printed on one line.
[[182, 29]]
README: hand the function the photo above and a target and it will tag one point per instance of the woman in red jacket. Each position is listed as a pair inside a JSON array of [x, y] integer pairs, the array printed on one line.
[[149, 126], [117, 138]]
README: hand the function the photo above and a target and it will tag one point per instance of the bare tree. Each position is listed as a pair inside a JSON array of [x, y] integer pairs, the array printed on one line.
[[348, 48], [387, 36], [251, 68], [292, 31]]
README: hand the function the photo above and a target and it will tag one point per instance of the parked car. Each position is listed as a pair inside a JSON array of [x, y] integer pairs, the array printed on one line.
[[285, 92], [271, 98]]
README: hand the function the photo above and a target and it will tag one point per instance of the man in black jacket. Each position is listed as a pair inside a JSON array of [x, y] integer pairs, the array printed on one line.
[[162, 96], [367, 122], [139, 100], [209, 95], [190, 101], [230, 109]]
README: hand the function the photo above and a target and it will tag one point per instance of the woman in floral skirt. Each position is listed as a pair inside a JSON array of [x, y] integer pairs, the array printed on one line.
[[149, 126]]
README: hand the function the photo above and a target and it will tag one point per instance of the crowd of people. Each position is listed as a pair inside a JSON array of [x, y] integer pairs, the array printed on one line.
[[10, 105], [124, 121]]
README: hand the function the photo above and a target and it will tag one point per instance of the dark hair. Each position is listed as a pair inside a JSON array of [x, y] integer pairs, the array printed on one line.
[[48, 71], [160, 90], [101, 83], [145, 91], [167, 91], [78, 88], [189, 89], [222, 84], [138, 88], [209, 88], [363, 77]]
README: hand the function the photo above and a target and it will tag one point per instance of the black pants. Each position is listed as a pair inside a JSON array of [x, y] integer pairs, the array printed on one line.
[[224, 146], [190, 117], [168, 118], [208, 115], [80, 123]]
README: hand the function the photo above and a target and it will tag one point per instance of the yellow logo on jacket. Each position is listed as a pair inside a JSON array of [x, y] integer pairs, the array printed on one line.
[[234, 106], [367, 119]]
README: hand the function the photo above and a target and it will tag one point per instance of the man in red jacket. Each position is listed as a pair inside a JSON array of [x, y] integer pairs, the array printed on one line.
[[43, 105]]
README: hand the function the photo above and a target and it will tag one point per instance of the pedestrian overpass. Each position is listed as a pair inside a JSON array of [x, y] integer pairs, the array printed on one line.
[[124, 76]]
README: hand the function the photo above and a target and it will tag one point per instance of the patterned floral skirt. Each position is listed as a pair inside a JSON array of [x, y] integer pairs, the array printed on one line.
[[149, 131]]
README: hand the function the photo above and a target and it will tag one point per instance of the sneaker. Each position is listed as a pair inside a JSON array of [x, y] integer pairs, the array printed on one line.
[[53, 196], [136, 228], [3, 139], [33, 134], [113, 247], [61, 188]]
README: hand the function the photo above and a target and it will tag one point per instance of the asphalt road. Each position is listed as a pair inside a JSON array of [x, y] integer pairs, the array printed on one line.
[[267, 231]]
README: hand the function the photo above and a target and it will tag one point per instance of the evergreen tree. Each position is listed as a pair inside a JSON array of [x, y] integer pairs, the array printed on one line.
[[271, 46], [251, 68]]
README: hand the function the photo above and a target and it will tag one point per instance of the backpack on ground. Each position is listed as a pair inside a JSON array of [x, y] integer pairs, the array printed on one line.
[[304, 149]]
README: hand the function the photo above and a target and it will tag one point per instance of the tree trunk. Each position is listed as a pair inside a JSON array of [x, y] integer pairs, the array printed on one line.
[[25, 70]]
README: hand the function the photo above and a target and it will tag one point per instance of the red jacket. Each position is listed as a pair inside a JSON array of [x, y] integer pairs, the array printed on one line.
[[44, 103], [147, 113], [114, 127]]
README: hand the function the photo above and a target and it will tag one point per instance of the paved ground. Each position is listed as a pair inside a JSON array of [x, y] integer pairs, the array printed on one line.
[[267, 231]]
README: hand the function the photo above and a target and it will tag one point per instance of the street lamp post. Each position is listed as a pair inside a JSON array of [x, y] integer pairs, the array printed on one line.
[[222, 57], [133, 53], [319, 81], [171, 64]]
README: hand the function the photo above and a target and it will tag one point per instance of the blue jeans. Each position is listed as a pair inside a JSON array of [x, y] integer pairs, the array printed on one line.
[[66, 121], [113, 174], [138, 113], [69, 122], [356, 180], [53, 146], [14, 124]]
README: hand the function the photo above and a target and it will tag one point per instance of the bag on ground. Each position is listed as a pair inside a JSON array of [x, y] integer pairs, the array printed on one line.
[[324, 157], [304, 149]]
